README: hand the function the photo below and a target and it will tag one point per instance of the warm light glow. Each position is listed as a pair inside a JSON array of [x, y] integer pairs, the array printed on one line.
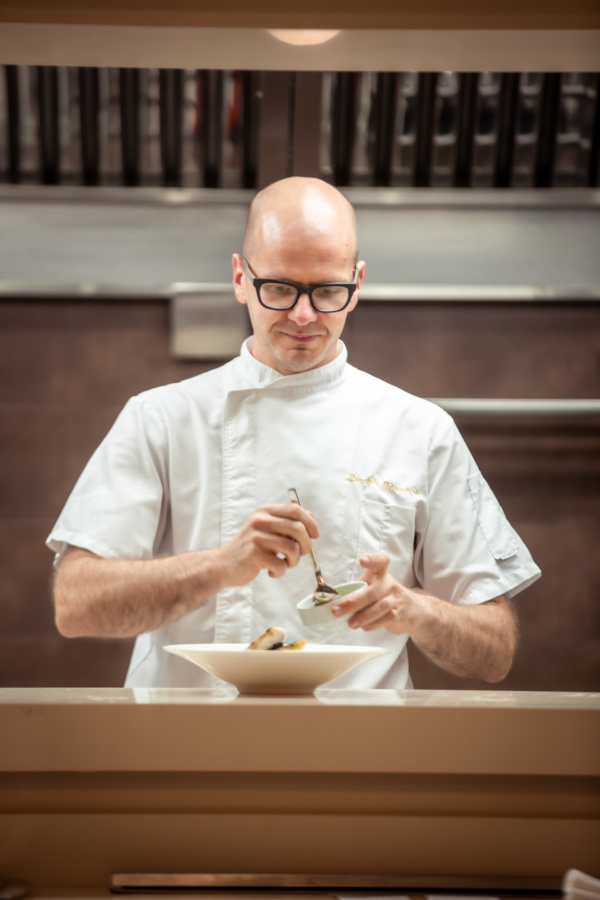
[[302, 35]]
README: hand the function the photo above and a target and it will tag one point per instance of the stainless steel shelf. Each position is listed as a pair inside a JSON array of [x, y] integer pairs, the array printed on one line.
[[521, 408], [387, 293], [431, 245]]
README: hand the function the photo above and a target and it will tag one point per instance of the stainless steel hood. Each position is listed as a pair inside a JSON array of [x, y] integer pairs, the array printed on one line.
[[237, 128]]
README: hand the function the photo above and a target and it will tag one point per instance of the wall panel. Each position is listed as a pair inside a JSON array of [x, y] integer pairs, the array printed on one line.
[[66, 368]]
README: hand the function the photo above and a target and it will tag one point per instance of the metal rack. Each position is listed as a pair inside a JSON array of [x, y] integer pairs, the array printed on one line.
[[223, 128]]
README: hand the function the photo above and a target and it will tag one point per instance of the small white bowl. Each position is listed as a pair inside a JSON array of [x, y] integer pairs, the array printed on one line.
[[319, 616]]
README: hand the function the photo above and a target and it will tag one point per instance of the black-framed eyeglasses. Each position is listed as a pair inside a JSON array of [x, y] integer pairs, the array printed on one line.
[[281, 295]]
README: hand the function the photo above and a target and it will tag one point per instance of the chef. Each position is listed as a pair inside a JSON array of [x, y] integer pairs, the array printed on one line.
[[180, 530]]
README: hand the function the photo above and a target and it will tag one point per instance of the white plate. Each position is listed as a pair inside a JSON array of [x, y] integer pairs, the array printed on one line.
[[275, 671]]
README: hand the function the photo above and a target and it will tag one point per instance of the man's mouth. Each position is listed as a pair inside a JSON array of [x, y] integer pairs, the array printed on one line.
[[300, 338]]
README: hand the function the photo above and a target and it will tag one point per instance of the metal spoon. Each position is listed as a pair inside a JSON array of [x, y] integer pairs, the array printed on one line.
[[324, 593]]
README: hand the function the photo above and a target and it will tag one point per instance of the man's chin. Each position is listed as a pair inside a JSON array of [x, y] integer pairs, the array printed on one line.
[[291, 358], [296, 362], [303, 358]]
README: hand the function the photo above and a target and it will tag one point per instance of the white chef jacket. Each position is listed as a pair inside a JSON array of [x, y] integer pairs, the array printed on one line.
[[186, 464]]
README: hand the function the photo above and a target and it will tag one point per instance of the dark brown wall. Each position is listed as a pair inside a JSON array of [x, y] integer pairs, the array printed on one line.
[[514, 14], [66, 368]]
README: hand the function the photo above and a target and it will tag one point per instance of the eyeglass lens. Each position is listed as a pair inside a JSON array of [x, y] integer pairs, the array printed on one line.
[[281, 296]]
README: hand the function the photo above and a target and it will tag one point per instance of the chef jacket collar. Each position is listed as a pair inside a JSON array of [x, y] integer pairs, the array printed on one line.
[[262, 376]]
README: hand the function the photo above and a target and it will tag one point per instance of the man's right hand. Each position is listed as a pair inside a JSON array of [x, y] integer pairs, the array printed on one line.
[[97, 597], [273, 538]]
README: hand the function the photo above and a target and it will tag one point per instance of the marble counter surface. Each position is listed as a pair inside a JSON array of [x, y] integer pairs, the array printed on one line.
[[144, 729], [484, 699]]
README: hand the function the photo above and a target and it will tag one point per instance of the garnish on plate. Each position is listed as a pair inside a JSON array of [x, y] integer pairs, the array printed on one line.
[[274, 639]]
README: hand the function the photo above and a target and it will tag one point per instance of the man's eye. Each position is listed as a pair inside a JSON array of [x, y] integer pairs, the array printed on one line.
[[329, 292], [279, 289]]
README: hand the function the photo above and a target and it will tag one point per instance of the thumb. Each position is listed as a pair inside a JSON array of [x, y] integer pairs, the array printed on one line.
[[375, 564]]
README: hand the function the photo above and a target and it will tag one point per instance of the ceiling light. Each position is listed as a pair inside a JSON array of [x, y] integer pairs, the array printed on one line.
[[302, 35]]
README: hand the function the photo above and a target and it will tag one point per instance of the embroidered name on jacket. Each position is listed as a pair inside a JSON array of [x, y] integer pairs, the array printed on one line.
[[387, 485]]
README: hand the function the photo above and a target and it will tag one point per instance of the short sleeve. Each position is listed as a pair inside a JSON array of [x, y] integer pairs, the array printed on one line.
[[118, 507], [468, 551]]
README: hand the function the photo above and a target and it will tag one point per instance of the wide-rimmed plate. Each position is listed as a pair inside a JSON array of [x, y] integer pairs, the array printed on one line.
[[275, 671]]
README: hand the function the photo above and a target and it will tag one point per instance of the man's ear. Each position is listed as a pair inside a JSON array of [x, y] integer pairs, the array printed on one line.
[[238, 276], [360, 269]]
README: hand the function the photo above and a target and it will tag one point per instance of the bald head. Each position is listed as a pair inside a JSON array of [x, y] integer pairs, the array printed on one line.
[[301, 210]]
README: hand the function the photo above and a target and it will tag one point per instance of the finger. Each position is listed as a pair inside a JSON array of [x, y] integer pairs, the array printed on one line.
[[285, 550], [354, 602], [300, 525], [373, 616], [294, 512], [383, 622], [276, 566], [374, 565], [306, 517]]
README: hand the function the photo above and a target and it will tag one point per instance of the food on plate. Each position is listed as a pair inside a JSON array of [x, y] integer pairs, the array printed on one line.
[[295, 645], [273, 639]]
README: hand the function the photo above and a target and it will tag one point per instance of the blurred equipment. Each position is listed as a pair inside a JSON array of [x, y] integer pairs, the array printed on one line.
[[579, 886], [12, 890], [242, 129]]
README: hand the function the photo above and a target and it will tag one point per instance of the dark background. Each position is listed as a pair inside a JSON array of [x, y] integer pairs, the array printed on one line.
[[67, 368]]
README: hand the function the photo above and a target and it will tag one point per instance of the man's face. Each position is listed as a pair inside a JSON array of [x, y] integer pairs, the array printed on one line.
[[297, 339]]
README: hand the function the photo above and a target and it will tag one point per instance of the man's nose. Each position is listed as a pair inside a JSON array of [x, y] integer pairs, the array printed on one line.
[[303, 312]]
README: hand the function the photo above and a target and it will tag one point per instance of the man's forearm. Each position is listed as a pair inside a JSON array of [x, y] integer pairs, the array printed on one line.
[[95, 597], [469, 641], [475, 641]]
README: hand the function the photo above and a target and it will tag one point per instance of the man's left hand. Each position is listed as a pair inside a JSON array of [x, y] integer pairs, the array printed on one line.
[[475, 640], [384, 603]]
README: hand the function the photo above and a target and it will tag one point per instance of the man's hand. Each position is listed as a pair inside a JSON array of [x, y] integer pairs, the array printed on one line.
[[100, 597], [475, 641], [384, 603], [273, 538]]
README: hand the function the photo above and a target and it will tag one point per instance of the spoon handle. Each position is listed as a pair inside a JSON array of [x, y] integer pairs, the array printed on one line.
[[293, 495], [324, 593]]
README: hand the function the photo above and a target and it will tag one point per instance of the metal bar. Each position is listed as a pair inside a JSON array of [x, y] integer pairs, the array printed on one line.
[[211, 881], [384, 110], [306, 142], [47, 85], [477, 198], [275, 133], [171, 123], [249, 128], [507, 118], [546, 146], [425, 118], [360, 197], [129, 90], [479, 293], [370, 293], [467, 100], [89, 108], [594, 163], [343, 125], [522, 408], [212, 126], [13, 123]]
